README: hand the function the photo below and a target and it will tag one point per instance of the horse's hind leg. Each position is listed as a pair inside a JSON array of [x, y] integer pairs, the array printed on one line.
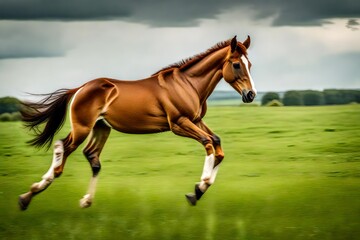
[[62, 149], [99, 135], [47, 178]]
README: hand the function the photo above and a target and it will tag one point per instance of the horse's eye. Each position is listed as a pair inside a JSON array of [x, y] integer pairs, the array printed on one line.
[[236, 65]]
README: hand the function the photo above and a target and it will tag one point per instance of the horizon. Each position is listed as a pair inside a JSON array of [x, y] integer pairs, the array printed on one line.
[[233, 95]]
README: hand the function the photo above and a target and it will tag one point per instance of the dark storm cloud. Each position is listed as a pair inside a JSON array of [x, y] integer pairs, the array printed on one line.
[[25, 40], [178, 13], [312, 12], [62, 10], [157, 13]]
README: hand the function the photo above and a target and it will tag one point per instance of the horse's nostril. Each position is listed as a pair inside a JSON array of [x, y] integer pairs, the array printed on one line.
[[251, 95]]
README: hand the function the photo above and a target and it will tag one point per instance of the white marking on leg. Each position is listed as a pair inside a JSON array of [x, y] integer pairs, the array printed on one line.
[[209, 173], [246, 63], [92, 186], [208, 167], [213, 174], [86, 201], [57, 160], [48, 177]]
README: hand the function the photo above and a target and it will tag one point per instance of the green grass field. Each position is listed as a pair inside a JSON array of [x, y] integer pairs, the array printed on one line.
[[288, 173]]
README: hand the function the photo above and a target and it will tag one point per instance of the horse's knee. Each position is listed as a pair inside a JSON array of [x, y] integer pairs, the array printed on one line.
[[216, 139], [219, 157], [94, 162], [208, 145], [219, 154]]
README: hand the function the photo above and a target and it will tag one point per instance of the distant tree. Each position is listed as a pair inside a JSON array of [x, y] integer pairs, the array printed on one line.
[[268, 97], [327, 97], [5, 117], [312, 98], [292, 98], [9, 105], [332, 97], [349, 96], [16, 116]]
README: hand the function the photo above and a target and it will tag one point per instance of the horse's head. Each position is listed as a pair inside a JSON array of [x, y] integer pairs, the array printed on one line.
[[236, 70]]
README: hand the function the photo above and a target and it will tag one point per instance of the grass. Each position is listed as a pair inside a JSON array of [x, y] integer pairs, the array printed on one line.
[[288, 173]]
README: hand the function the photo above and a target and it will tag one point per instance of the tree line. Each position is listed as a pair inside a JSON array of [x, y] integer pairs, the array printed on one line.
[[10, 106], [9, 109], [313, 98]]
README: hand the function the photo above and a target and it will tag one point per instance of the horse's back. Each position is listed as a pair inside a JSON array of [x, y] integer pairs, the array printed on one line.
[[128, 106]]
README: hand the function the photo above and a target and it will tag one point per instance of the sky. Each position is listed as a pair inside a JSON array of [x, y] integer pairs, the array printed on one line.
[[46, 45]]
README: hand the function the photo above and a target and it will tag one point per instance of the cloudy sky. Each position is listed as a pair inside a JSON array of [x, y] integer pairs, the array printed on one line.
[[46, 45]]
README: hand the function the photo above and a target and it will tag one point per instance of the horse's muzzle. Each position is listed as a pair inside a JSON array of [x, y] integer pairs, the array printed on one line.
[[248, 96]]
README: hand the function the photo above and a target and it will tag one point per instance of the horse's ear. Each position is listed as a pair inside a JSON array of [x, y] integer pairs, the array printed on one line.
[[246, 43], [233, 44]]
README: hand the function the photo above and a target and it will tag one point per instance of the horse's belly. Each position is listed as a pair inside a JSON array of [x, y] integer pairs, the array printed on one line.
[[136, 110], [137, 123]]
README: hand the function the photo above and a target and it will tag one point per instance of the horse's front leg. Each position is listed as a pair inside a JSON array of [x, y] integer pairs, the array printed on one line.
[[211, 164], [214, 154]]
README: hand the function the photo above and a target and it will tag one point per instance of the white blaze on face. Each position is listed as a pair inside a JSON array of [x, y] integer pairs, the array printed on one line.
[[246, 63]]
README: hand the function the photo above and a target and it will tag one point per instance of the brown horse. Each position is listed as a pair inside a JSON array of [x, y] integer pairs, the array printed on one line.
[[173, 99]]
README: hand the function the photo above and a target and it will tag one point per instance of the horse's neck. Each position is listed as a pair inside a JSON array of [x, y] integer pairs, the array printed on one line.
[[207, 73]]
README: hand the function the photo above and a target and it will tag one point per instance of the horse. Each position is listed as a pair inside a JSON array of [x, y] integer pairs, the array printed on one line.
[[172, 99]]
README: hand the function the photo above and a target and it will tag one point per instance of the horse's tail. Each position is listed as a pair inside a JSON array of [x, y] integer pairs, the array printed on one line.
[[51, 111]]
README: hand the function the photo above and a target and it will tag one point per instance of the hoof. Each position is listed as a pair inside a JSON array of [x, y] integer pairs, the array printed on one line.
[[191, 197], [24, 200], [85, 202]]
